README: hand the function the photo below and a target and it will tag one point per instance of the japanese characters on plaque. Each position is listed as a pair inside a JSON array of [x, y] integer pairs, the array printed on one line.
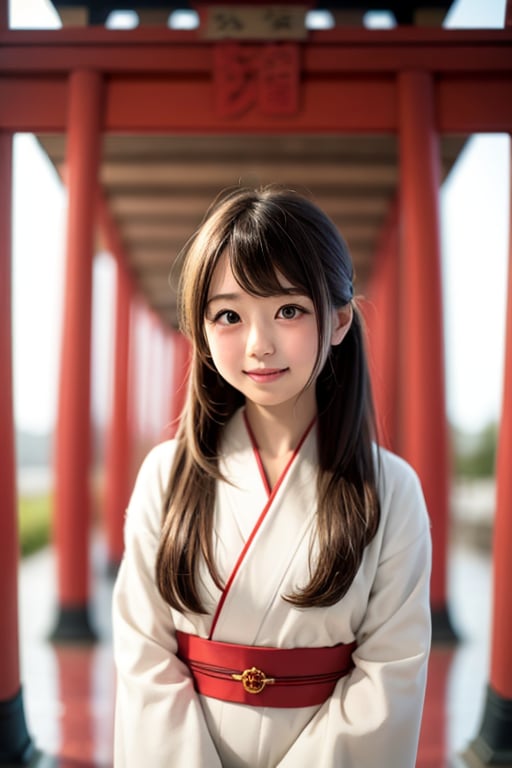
[[266, 77], [263, 71], [263, 22]]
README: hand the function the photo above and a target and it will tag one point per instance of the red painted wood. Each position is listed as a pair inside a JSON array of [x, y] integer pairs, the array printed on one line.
[[119, 472], [176, 85], [119, 478], [474, 104], [501, 668], [33, 105], [4, 15], [423, 438], [153, 362], [268, 78], [181, 364], [162, 79], [382, 315], [9, 545], [72, 496], [366, 103], [339, 50], [347, 105]]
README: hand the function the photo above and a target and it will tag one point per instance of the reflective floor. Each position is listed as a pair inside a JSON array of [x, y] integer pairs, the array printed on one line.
[[68, 692]]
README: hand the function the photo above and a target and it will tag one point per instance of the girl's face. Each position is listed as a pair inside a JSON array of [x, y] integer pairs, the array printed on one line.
[[265, 347]]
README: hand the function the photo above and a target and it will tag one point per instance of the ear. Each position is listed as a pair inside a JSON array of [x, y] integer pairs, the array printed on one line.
[[342, 320]]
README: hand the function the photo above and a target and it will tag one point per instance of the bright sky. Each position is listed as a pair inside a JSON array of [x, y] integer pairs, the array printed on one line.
[[475, 221]]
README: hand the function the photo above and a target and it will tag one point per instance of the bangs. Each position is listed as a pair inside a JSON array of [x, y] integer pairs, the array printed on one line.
[[260, 257]]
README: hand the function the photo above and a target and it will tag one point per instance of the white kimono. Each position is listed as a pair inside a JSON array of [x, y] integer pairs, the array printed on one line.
[[373, 716]]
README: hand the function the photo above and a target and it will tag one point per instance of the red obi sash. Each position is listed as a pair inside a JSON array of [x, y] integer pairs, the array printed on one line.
[[264, 677]]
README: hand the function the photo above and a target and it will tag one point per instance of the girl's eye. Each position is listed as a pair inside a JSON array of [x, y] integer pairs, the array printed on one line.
[[227, 317], [290, 312]]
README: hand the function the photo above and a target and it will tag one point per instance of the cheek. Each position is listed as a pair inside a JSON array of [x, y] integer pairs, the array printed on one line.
[[304, 343], [222, 349]]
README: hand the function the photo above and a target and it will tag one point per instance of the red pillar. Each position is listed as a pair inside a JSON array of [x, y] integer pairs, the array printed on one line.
[[382, 316], [181, 362], [73, 442], [15, 743], [494, 742], [134, 385], [118, 478], [151, 384], [168, 405], [423, 433], [118, 469]]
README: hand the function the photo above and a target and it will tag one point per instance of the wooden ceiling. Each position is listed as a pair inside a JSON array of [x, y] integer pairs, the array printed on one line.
[[159, 187]]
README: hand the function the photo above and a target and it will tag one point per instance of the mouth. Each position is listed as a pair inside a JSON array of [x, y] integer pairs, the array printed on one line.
[[266, 375]]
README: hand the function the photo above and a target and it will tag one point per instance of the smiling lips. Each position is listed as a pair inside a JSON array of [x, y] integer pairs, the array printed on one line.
[[265, 375]]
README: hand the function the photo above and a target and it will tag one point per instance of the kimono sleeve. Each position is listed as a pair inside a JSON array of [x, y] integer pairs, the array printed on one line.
[[158, 718], [374, 715]]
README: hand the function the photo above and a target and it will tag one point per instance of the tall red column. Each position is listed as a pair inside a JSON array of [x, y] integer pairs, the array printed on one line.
[[168, 404], [181, 362], [15, 742], [73, 443], [4, 15], [494, 742], [423, 432], [118, 469], [382, 315]]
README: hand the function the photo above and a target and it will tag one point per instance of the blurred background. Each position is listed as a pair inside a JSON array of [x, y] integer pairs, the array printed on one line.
[[475, 217], [474, 220]]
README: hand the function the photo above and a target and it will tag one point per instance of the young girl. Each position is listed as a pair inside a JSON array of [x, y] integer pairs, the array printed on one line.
[[272, 606]]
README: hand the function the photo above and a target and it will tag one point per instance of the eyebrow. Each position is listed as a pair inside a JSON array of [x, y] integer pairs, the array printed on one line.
[[233, 296], [223, 297]]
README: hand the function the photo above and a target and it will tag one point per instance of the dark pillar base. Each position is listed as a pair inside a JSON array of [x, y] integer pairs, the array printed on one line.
[[73, 626], [443, 631], [493, 745], [16, 747]]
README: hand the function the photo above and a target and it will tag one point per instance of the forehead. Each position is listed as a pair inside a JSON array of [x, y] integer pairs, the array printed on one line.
[[223, 280]]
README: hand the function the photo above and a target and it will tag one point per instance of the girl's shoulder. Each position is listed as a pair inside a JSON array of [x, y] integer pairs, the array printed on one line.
[[404, 515], [392, 468], [156, 466], [145, 506]]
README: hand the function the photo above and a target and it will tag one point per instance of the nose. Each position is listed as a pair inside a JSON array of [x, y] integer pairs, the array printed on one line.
[[260, 342]]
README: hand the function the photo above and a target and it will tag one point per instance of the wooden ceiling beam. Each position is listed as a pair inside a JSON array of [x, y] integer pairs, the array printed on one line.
[[336, 51], [144, 234], [225, 174], [153, 207], [339, 148], [464, 104]]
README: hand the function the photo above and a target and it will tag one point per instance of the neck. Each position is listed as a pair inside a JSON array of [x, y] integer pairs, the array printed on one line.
[[278, 429]]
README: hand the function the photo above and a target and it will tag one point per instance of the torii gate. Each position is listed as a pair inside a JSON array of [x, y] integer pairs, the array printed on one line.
[[416, 83]]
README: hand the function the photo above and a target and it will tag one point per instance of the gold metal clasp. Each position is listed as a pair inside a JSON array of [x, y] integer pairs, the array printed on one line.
[[254, 680]]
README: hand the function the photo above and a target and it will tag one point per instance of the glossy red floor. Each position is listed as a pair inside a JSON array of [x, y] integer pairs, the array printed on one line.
[[68, 692]]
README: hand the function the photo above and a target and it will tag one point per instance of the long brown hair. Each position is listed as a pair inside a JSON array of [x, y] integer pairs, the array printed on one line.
[[266, 232]]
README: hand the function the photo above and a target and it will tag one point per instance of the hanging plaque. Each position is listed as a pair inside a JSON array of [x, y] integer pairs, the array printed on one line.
[[266, 77], [247, 22]]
